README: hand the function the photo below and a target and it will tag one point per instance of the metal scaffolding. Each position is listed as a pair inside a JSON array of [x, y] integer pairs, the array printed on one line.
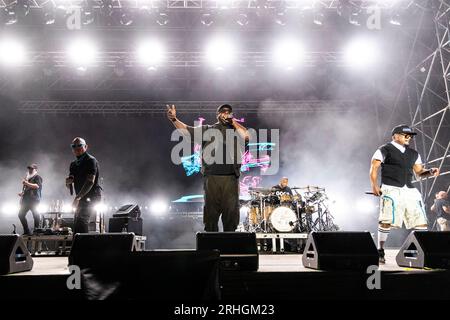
[[424, 96], [188, 107], [204, 4]]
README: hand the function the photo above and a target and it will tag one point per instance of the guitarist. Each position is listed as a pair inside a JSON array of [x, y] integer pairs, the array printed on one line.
[[30, 197]]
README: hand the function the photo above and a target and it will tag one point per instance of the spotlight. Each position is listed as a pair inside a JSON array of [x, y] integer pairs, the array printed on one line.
[[220, 53], [12, 53], [82, 53], [355, 19], [225, 4], [395, 19], [162, 19], [67, 208], [280, 18], [49, 14], [126, 18], [10, 209], [207, 19], [242, 19], [87, 16], [42, 208], [151, 54], [158, 207], [100, 207], [318, 18], [361, 52], [288, 54], [10, 17]]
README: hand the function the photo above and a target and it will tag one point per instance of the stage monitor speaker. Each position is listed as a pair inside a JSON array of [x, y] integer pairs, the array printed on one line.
[[14, 255], [128, 210], [425, 249], [238, 250], [125, 224], [98, 250], [340, 250]]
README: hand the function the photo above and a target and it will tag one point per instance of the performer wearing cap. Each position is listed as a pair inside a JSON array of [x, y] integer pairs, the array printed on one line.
[[400, 202], [30, 197], [220, 176], [83, 174]]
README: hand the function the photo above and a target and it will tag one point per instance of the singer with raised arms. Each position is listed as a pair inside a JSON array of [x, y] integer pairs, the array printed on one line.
[[83, 177], [221, 175]]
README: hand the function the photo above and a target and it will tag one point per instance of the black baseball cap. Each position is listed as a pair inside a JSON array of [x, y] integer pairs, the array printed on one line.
[[32, 166], [403, 128], [224, 106]]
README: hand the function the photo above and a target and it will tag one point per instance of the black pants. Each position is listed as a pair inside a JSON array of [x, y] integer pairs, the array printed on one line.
[[26, 206], [221, 198], [82, 216]]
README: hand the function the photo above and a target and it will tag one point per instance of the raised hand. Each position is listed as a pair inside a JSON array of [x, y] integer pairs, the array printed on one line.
[[171, 112]]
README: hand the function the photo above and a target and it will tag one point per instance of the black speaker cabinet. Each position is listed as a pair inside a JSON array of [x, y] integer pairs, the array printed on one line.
[[238, 250], [99, 250], [126, 224], [340, 251], [425, 249], [14, 255]]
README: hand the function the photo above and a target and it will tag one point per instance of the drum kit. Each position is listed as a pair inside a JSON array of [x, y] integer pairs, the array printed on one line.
[[271, 211]]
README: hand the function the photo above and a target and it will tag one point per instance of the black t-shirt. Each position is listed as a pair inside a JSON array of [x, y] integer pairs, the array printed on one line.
[[80, 169], [30, 194], [281, 191], [438, 205], [230, 163]]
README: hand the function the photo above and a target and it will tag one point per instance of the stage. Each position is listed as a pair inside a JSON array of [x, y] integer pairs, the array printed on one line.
[[280, 277]]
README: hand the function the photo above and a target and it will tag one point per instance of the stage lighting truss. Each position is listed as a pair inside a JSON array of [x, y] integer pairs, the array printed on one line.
[[182, 59], [202, 4], [183, 107]]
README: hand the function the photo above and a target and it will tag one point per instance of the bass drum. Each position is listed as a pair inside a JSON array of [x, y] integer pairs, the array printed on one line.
[[283, 219]]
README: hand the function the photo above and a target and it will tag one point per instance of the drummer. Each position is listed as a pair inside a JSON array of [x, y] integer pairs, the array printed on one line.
[[282, 190]]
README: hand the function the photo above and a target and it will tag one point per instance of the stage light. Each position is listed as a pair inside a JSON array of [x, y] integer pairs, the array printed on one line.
[[162, 19], [280, 18], [10, 209], [82, 53], [67, 208], [224, 4], [242, 19], [158, 207], [151, 54], [207, 19], [318, 18], [12, 53], [355, 19], [87, 16], [42, 208], [395, 19], [126, 18], [100, 207], [361, 53], [10, 16], [220, 53], [288, 54]]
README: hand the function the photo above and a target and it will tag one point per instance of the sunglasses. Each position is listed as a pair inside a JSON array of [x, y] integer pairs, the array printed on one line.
[[407, 136], [74, 146]]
